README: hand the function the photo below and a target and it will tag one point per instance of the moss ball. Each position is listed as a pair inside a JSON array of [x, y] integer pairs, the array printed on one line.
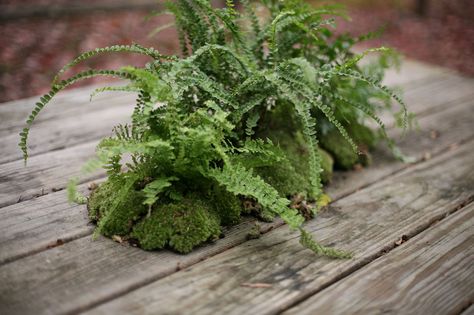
[[180, 226], [115, 212]]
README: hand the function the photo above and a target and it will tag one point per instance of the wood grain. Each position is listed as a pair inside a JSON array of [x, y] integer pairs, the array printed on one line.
[[25, 237], [44, 174], [433, 273], [70, 103], [469, 310], [49, 136], [83, 273], [367, 223], [38, 224]]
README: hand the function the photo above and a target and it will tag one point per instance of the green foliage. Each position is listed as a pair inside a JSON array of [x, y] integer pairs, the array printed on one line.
[[255, 108], [73, 195]]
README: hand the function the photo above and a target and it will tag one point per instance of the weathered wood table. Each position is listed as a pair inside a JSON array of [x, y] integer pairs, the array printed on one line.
[[411, 227]]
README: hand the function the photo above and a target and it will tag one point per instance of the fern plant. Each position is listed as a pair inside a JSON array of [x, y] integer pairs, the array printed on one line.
[[254, 111]]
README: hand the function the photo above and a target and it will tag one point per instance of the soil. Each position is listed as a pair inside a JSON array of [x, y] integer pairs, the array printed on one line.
[[33, 50]]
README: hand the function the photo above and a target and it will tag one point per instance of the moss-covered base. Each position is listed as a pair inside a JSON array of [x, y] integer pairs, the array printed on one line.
[[117, 205], [179, 225]]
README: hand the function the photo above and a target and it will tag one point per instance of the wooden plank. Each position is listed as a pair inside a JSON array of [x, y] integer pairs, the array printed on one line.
[[453, 126], [44, 173], [49, 171], [433, 96], [437, 94], [58, 267], [38, 224], [48, 136], [433, 273], [368, 222], [71, 103], [436, 134], [64, 124], [469, 310], [413, 72]]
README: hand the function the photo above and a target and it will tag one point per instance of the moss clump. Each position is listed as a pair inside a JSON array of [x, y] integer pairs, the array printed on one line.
[[344, 156], [115, 212], [327, 164], [180, 226], [363, 136], [227, 206], [290, 176]]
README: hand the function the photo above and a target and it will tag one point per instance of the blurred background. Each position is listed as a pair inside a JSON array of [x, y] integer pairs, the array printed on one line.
[[40, 36]]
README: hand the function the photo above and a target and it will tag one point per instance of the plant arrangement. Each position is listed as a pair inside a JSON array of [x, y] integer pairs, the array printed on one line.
[[250, 119]]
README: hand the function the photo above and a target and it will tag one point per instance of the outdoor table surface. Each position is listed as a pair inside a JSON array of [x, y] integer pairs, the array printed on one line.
[[409, 226]]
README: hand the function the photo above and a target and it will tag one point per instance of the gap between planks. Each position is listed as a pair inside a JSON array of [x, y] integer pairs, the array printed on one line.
[[36, 225], [367, 222], [88, 263], [440, 258], [469, 310]]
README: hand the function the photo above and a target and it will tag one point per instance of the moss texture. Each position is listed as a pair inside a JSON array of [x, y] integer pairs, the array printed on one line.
[[228, 207], [290, 177], [344, 156], [115, 213], [180, 226]]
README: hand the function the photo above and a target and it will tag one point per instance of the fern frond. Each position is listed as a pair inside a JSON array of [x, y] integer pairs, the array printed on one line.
[[241, 181], [161, 28], [45, 99], [308, 128], [307, 241], [251, 123], [358, 76], [247, 106], [367, 110], [126, 88], [272, 38], [244, 64], [73, 195], [156, 187], [354, 60], [311, 98], [135, 48], [257, 30], [216, 91]]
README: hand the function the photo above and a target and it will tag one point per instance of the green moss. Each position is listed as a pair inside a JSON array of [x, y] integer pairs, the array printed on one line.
[[344, 156], [99, 200], [291, 177], [181, 226], [327, 164], [228, 207], [115, 206], [362, 135]]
